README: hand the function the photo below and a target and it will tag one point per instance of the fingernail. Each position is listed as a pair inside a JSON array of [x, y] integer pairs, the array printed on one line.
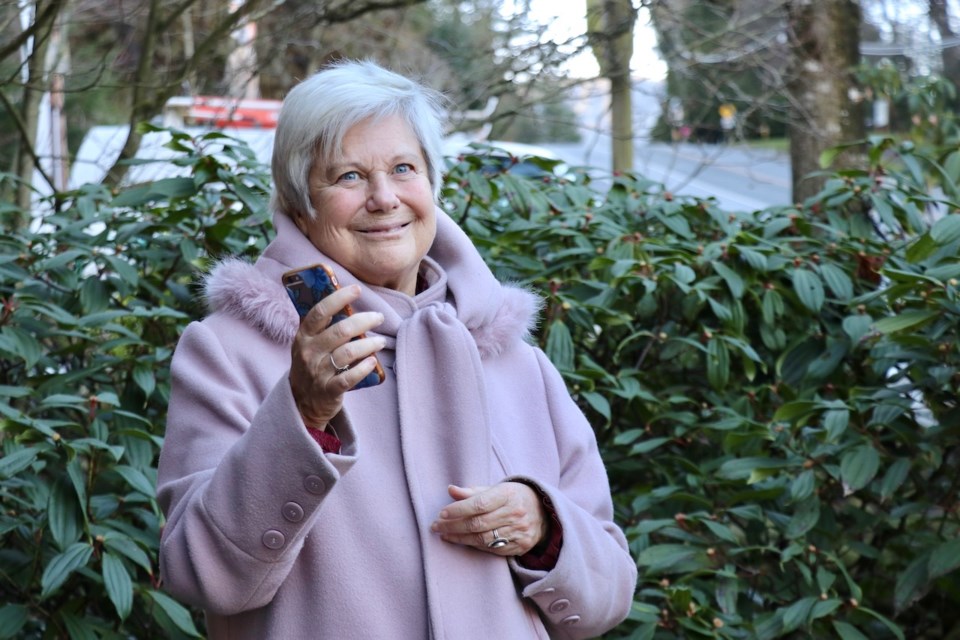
[[444, 514]]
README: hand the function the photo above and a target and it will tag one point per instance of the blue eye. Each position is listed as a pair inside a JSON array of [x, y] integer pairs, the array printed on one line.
[[404, 168], [349, 176]]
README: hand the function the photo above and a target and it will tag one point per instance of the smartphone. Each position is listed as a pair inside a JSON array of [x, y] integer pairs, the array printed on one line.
[[308, 286]]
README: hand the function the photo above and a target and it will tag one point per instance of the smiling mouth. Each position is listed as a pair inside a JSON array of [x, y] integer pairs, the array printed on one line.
[[389, 229]]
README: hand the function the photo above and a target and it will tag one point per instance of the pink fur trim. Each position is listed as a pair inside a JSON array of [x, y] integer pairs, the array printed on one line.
[[238, 288], [516, 318]]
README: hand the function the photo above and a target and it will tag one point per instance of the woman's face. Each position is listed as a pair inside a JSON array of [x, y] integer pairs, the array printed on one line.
[[374, 205]]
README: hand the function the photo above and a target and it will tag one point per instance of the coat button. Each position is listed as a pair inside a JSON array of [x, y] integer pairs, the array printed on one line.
[[293, 512], [559, 605], [273, 539], [314, 484], [570, 620]]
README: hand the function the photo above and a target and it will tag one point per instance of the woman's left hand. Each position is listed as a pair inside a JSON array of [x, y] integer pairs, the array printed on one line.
[[511, 508]]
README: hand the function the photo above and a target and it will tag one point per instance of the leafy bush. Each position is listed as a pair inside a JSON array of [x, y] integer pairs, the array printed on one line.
[[774, 392], [93, 300]]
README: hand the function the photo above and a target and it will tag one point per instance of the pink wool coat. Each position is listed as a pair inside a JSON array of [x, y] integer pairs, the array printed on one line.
[[276, 540]]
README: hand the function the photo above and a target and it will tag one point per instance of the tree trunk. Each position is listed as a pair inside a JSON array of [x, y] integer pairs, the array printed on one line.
[[28, 116], [828, 111], [949, 54], [610, 26]]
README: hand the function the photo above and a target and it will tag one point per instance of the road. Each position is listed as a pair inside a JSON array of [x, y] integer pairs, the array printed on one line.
[[739, 177]]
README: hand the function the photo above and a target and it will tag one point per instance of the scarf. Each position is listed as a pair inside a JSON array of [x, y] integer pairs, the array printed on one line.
[[442, 401]]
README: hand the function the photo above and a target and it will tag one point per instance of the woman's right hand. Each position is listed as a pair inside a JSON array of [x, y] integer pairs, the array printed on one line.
[[318, 346]]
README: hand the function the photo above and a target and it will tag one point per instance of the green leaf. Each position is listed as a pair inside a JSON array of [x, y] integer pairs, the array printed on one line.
[[559, 346], [791, 410], [78, 478], [837, 281], [145, 377], [662, 557], [835, 422], [944, 559], [805, 517], [63, 514], [911, 583], [646, 446], [742, 468], [136, 479], [859, 466], [683, 274], [722, 531], [22, 344], [718, 363], [903, 321], [889, 624], [894, 478], [124, 545], [803, 485], [175, 611], [62, 565], [13, 463], [824, 608], [771, 306], [809, 289], [796, 614], [94, 296], [119, 586], [731, 277], [164, 189], [848, 631], [755, 259], [78, 628], [599, 403], [12, 619], [857, 326], [946, 229]]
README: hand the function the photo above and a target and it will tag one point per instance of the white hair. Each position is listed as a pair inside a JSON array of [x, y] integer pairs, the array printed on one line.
[[319, 111]]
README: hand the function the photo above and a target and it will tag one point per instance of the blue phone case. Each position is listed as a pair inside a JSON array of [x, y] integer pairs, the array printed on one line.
[[306, 287]]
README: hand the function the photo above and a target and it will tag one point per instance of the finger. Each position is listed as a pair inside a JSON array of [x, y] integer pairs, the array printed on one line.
[[483, 500], [322, 313], [462, 493]]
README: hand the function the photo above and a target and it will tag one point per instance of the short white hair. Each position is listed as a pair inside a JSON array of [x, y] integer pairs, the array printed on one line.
[[319, 111]]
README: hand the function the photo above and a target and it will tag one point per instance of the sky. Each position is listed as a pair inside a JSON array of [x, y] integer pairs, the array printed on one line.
[[567, 19]]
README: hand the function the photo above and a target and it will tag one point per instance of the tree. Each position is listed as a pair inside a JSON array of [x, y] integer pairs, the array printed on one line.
[[790, 63], [827, 112], [950, 42], [610, 33]]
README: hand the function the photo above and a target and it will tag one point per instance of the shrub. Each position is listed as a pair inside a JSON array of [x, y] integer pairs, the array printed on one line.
[[93, 300], [774, 392]]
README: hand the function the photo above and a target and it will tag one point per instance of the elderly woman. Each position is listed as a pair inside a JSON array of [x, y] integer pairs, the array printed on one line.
[[463, 497]]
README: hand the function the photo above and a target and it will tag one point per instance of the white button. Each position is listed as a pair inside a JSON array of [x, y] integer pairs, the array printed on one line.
[[293, 512], [570, 620], [273, 539], [559, 605], [314, 484]]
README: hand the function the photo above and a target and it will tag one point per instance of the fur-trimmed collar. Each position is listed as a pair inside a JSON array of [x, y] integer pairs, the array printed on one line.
[[240, 289]]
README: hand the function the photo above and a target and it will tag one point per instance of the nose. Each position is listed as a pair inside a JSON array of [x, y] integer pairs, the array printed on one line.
[[381, 195]]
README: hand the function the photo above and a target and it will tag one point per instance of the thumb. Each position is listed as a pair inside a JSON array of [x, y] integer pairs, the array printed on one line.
[[462, 493]]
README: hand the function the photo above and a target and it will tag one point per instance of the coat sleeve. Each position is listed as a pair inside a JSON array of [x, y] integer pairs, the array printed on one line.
[[590, 590], [240, 480]]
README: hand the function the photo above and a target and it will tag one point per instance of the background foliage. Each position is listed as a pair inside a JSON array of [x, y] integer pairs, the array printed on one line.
[[774, 392]]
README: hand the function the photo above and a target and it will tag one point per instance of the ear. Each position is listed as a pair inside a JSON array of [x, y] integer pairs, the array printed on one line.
[[300, 220]]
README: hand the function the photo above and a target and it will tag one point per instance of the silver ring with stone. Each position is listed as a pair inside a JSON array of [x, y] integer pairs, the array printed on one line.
[[337, 367], [497, 541]]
